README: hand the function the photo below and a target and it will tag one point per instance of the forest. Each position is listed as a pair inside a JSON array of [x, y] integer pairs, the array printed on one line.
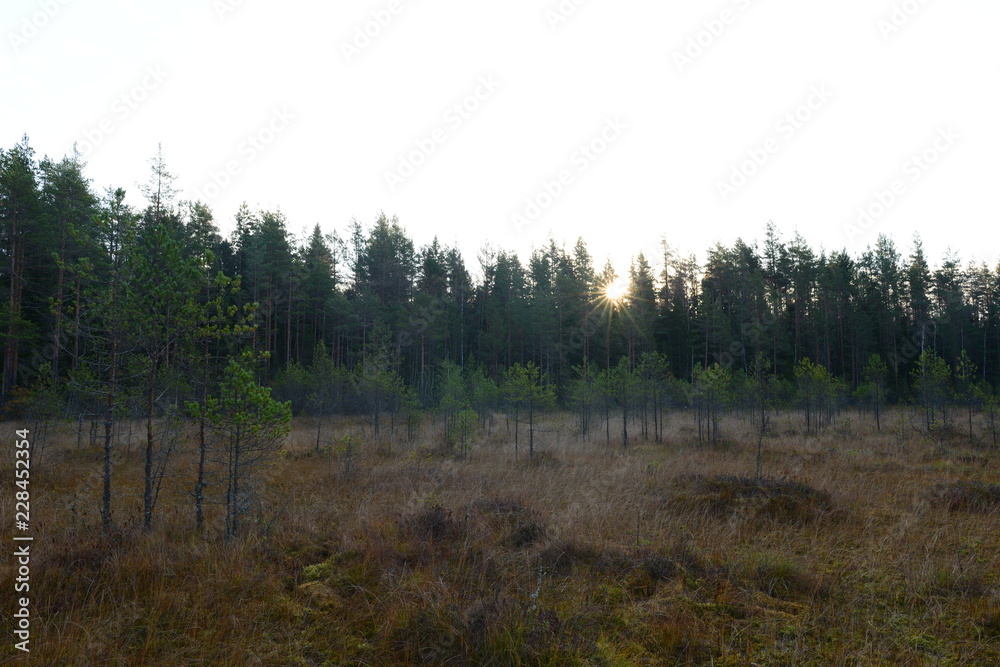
[[96, 289], [254, 438]]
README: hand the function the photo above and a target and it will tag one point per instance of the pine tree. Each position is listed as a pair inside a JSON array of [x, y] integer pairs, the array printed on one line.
[[249, 427], [216, 321], [930, 384], [817, 393], [875, 376], [317, 287], [452, 394], [584, 395], [640, 309], [918, 280], [710, 393], [376, 378], [19, 215], [70, 206], [159, 191], [163, 320], [327, 384], [965, 374], [107, 295], [621, 384], [525, 392]]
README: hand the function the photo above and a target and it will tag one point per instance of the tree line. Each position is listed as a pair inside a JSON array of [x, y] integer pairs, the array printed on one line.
[[779, 298], [118, 313]]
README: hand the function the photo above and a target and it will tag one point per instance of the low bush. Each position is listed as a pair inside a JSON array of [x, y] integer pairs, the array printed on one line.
[[767, 498], [966, 496]]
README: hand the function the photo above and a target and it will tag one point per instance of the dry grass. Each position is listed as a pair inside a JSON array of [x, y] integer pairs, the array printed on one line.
[[967, 495], [854, 549]]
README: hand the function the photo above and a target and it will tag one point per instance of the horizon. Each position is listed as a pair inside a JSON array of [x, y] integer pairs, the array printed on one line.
[[620, 126], [652, 252]]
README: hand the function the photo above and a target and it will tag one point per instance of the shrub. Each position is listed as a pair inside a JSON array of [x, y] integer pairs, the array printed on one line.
[[520, 526], [777, 499], [774, 575], [433, 522], [966, 496]]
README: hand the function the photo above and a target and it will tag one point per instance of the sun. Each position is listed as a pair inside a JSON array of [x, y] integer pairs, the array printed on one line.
[[616, 290]]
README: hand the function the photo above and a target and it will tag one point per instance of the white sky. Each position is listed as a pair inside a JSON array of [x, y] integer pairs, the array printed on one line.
[[201, 76]]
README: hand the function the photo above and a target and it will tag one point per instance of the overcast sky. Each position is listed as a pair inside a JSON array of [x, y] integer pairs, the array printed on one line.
[[622, 122]]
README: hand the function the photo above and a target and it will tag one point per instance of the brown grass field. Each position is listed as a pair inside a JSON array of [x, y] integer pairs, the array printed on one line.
[[857, 548]]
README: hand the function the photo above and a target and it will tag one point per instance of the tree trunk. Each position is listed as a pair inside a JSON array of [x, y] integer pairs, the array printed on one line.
[[106, 496], [147, 494], [199, 489], [108, 434], [878, 409], [531, 429], [76, 327], [232, 491], [288, 325], [58, 307], [14, 314], [517, 421], [624, 423]]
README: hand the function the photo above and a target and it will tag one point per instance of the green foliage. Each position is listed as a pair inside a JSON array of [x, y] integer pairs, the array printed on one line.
[[931, 385], [819, 394], [462, 428], [710, 393], [245, 409], [584, 395], [484, 394], [452, 395], [620, 386], [377, 381], [873, 390], [293, 384], [966, 390], [347, 447], [85, 279], [249, 427], [525, 392], [656, 382], [326, 383], [762, 387], [412, 412]]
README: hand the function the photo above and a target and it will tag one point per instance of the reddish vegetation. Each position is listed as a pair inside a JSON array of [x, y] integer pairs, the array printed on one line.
[[866, 548]]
